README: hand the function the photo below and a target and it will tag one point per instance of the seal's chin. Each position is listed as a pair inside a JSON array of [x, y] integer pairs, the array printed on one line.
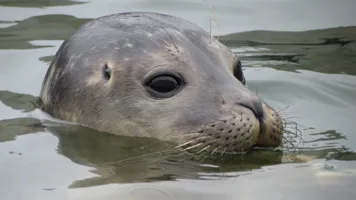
[[238, 133]]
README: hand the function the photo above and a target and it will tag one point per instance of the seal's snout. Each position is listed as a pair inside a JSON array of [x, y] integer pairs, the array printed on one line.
[[243, 124], [231, 134], [255, 105], [272, 128]]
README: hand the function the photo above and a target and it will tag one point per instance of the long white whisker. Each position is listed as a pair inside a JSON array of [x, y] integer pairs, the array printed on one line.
[[214, 150], [179, 146], [207, 147], [223, 151], [211, 19], [193, 146]]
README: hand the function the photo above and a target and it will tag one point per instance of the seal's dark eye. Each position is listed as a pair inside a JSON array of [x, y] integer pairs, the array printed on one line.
[[238, 73], [106, 72], [163, 86]]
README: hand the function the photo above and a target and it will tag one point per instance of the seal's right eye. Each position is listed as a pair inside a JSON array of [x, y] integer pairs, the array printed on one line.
[[238, 73], [163, 86], [106, 72]]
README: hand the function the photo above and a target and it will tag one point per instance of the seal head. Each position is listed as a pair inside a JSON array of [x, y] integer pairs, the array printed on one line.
[[155, 75]]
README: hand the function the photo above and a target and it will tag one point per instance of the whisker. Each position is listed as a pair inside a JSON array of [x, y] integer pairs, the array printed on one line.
[[283, 109], [211, 19], [193, 135], [193, 146], [278, 107], [214, 150], [292, 117], [286, 115], [207, 147], [295, 128], [174, 44], [263, 148], [223, 151], [289, 141], [292, 126], [202, 138], [225, 41], [179, 146], [287, 122], [293, 133], [233, 115]]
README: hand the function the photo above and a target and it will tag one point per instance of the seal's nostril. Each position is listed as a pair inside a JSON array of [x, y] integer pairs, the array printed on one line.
[[255, 105]]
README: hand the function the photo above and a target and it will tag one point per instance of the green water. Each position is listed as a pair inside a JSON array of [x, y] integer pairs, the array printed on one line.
[[299, 54]]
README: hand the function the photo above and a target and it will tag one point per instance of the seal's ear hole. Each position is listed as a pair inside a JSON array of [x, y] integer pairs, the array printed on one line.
[[238, 73], [163, 86], [106, 72]]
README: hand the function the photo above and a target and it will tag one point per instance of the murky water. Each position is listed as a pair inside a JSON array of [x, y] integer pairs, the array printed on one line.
[[311, 71]]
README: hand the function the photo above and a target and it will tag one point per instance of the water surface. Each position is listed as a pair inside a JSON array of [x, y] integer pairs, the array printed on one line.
[[296, 53]]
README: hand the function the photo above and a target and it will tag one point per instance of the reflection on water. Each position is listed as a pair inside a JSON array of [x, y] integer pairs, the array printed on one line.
[[309, 76], [119, 159], [47, 27], [328, 51], [38, 3]]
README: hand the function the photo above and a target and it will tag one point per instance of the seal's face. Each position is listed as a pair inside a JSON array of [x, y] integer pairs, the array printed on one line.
[[152, 75]]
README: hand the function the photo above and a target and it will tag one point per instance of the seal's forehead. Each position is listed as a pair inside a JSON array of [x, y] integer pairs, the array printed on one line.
[[127, 21], [134, 36], [139, 27], [137, 43]]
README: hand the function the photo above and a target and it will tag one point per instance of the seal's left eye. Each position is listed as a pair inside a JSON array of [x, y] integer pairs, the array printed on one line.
[[163, 86]]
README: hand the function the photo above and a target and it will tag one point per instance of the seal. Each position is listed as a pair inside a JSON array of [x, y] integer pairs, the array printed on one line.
[[154, 75]]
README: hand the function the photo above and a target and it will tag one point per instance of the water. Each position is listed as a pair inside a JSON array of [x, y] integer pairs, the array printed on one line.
[[312, 71]]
